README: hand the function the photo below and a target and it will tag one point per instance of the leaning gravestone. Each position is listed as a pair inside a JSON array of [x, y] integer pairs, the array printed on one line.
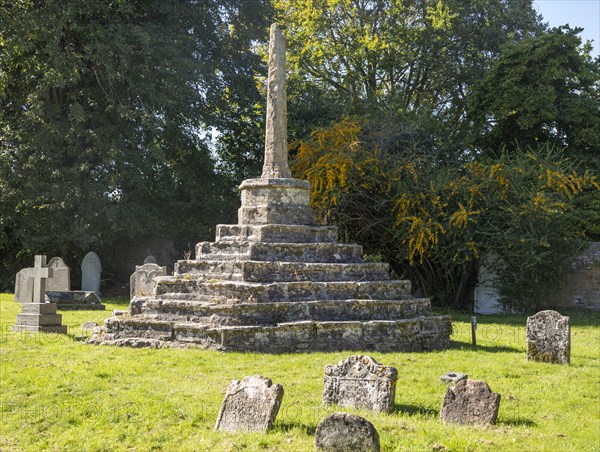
[[61, 276], [36, 315], [360, 382], [342, 432], [470, 402], [143, 281], [90, 273], [250, 405], [549, 338]]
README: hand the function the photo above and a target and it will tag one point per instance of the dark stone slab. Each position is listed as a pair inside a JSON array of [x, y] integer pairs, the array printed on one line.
[[75, 300]]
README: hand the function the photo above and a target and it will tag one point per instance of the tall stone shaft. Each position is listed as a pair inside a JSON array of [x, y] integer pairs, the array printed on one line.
[[276, 149]]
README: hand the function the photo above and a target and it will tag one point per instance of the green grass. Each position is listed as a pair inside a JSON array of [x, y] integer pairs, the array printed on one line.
[[57, 393]]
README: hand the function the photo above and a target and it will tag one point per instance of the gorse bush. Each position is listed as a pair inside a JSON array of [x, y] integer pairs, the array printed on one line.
[[436, 222]]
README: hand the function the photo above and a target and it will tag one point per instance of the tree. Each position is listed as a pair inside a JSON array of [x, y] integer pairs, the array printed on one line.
[[543, 89], [364, 57], [104, 107], [434, 224]]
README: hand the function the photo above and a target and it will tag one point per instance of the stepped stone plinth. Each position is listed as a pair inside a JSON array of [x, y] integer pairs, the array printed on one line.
[[277, 281], [39, 317]]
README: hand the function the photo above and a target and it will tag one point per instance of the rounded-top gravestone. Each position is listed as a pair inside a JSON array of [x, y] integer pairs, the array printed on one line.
[[61, 275], [91, 269], [341, 432], [150, 260], [549, 338]]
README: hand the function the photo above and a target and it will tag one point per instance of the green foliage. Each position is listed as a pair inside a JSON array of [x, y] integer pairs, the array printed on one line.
[[436, 222], [544, 89], [103, 110], [394, 58], [60, 394]]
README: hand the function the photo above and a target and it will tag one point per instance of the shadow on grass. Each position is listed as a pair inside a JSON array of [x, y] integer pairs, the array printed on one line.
[[288, 426], [411, 410], [456, 345], [577, 318], [518, 422]]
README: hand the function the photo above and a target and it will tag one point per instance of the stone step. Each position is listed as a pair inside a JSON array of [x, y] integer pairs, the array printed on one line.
[[287, 252], [59, 329], [258, 271], [273, 313], [409, 335], [39, 319], [232, 292], [276, 233]]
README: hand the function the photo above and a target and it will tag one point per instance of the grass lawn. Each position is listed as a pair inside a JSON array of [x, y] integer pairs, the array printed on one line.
[[57, 393]]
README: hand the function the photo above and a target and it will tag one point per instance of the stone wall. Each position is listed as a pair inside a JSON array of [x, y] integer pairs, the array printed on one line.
[[579, 287]]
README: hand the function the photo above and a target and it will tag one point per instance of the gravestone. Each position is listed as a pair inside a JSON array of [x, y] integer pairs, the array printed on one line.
[[549, 338], [24, 285], [360, 382], [470, 402], [61, 276], [36, 315], [150, 260], [143, 281], [91, 269], [342, 432], [250, 405]]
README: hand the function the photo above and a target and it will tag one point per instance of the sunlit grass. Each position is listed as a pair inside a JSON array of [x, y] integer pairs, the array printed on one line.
[[57, 393]]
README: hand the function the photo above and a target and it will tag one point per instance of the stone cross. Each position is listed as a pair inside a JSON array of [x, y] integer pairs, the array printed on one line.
[[40, 274], [276, 149]]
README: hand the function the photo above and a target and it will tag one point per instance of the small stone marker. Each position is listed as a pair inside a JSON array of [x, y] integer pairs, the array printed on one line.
[[36, 315], [143, 281], [88, 326], [61, 276], [341, 432], [360, 382], [91, 269], [549, 338], [470, 402], [250, 405], [453, 377]]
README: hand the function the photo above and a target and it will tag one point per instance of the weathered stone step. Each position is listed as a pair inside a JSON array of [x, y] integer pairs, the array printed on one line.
[[273, 313], [287, 252], [276, 233], [258, 271], [409, 335], [232, 292]]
